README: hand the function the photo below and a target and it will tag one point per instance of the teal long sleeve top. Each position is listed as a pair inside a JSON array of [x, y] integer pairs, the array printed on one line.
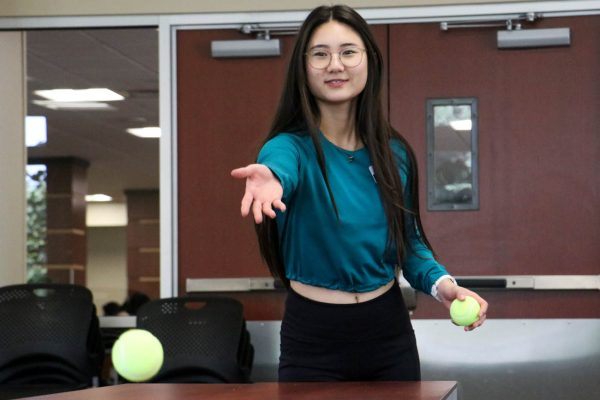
[[348, 253]]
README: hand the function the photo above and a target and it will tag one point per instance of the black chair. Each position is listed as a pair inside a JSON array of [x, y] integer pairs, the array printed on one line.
[[205, 339], [49, 338]]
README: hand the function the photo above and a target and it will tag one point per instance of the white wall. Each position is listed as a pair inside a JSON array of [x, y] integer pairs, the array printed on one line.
[[106, 268], [32, 8], [12, 158]]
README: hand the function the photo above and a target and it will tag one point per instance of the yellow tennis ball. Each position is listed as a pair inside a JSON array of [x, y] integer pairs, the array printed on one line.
[[465, 312], [137, 355]]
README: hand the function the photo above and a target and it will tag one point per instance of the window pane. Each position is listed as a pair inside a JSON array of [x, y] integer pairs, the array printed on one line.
[[452, 169], [36, 222]]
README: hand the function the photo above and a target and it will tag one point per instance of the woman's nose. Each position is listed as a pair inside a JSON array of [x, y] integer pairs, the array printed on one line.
[[335, 64]]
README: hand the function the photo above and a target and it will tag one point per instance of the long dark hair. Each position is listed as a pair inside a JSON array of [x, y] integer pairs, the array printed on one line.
[[298, 112]]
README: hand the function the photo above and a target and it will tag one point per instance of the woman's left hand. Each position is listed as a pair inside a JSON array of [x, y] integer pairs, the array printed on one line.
[[448, 291]]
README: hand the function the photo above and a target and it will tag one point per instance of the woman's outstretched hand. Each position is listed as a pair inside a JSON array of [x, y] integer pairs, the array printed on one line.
[[263, 191]]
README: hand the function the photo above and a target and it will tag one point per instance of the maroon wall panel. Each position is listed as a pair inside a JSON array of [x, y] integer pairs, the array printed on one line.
[[539, 152], [225, 108], [539, 155]]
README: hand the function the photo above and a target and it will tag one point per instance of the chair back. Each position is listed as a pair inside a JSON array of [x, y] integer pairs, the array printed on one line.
[[204, 339], [49, 334]]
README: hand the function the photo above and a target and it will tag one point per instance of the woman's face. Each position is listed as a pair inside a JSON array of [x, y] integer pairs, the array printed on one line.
[[336, 83]]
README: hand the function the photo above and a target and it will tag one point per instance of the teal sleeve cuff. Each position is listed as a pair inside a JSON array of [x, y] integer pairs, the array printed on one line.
[[282, 158]]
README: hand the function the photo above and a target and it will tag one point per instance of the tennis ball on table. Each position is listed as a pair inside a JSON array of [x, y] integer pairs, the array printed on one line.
[[465, 312], [137, 355]]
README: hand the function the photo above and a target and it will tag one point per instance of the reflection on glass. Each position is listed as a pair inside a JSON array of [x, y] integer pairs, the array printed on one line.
[[451, 143], [35, 179]]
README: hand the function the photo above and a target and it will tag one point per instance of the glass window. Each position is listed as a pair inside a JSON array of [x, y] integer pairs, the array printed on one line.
[[452, 154], [36, 175]]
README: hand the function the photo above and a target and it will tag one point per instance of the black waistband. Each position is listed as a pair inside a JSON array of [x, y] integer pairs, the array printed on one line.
[[378, 317]]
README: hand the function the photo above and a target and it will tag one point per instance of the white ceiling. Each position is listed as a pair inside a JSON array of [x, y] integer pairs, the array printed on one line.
[[123, 60]]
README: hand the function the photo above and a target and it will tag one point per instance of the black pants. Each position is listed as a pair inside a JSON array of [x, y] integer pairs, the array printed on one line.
[[367, 341]]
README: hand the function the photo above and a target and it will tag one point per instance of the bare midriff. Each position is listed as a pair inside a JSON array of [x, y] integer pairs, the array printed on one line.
[[334, 296]]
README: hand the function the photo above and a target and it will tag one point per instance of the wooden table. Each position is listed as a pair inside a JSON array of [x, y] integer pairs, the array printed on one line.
[[424, 390]]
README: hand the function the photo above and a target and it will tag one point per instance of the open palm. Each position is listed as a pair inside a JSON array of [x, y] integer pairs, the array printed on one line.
[[263, 191]]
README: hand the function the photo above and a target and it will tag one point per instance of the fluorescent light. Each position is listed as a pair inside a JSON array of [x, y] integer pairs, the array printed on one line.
[[78, 95], [96, 198], [461, 124], [77, 99], [145, 132], [53, 105], [106, 214], [35, 130]]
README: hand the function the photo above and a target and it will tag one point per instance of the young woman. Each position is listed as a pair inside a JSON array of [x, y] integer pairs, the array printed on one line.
[[344, 184]]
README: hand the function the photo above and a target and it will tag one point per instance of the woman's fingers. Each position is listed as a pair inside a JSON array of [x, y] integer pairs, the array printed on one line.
[[268, 210], [483, 304], [240, 172], [476, 324], [259, 209], [257, 212], [279, 205], [246, 203]]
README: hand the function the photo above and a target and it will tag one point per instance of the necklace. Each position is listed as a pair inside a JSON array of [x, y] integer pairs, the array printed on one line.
[[349, 154]]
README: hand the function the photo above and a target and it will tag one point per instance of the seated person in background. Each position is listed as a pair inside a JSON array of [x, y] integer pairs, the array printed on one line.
[[133, 302], [111, 308]]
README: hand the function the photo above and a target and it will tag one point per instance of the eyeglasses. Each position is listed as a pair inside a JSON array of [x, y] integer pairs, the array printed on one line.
[[350, 57]]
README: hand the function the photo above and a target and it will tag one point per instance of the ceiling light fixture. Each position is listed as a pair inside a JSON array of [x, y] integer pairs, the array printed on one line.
[[145, 132], [97, 198], [83, 105], [80, 95]]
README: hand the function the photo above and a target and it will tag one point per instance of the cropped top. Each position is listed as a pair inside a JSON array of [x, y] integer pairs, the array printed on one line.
[[348, 253]]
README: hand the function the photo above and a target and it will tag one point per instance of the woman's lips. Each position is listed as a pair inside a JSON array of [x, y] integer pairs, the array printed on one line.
[[336, 83]]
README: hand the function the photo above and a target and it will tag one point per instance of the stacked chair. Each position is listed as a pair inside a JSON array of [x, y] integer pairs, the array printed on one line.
[[49, 339], [204, 339]]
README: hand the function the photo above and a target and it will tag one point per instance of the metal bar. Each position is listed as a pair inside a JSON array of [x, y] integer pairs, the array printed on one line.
[[537, 282], [229, 284], [523, 282], [444, 26]]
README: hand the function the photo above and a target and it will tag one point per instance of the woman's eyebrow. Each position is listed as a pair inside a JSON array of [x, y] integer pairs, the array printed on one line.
[[327, 46]]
